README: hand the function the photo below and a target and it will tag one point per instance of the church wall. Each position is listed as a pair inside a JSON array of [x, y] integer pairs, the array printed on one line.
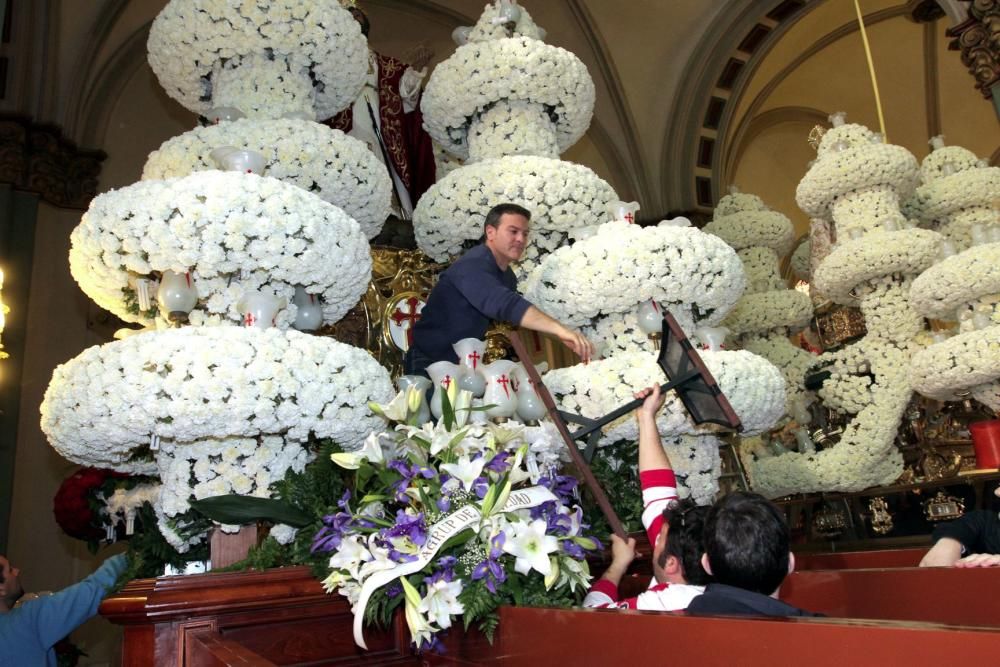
[[925, 89]]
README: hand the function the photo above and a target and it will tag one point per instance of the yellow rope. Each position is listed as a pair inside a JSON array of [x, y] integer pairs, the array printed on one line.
[[871, 69]]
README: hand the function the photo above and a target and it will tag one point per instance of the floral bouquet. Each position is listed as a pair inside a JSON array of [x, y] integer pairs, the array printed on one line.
[[454, 519], [78, 504]]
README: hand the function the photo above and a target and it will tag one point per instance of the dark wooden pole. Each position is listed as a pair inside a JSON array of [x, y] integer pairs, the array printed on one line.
[[581, 464]]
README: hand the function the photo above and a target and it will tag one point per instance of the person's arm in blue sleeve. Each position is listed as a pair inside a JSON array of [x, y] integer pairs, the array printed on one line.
[[498, 302], [59, 614]]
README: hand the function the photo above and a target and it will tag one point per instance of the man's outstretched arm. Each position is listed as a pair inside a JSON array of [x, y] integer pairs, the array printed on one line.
[[536, 320]]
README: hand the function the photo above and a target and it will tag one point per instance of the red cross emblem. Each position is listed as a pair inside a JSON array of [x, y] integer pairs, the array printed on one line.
[[502, 380], [249, 319], [405, 319], [629, 217], [446, 382], [474, 357]]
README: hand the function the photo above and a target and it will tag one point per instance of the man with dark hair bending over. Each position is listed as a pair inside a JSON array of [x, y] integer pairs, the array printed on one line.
[[480, 287], [674, 529], [746, 553]]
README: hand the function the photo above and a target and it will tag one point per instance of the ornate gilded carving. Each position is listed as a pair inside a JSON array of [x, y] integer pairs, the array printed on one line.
[[943, 507], [382, 321], [879, 514], [838, 325], [37, 158], [978, 38]]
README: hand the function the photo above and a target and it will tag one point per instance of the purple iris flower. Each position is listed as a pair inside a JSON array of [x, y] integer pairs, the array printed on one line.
[[499, 463], [412, 527], [344, 499], [480, 486], [445, 570], [393, 590], [563, 486], [443, 504], [490, 569], [573, 550], [328, 537]]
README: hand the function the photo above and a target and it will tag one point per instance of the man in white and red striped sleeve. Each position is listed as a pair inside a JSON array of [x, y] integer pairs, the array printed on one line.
[[674, 529]]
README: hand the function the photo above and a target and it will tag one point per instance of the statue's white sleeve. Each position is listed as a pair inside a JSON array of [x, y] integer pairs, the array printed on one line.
[[409, 87]]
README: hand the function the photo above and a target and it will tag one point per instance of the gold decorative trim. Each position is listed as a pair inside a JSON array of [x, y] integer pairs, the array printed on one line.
[[38, 159]]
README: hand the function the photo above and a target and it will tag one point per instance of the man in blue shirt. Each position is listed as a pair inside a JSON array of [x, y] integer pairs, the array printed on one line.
[[479, 288], [29, 630]]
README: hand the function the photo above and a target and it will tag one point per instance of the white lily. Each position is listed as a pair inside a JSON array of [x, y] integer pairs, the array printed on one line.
[[371, 451], [395, 410], [462, 404], [531, 547], [380, 560], [420, 629], [441, 602], [465, 471], [350, 555], [501, 435]]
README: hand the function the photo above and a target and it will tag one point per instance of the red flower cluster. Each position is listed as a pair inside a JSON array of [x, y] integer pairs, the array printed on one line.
[[75, 502]]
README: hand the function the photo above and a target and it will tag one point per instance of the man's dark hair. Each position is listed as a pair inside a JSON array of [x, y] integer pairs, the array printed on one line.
[[746, 539], [361, 18], [686, 522], [500, 210]]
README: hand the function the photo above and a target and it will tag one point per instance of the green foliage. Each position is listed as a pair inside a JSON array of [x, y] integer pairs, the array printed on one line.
[[381, 607], [617, 471], [481, 606], [243, 510], [149, 552]]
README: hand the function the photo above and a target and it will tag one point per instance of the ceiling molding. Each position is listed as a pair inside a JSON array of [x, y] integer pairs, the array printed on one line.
[[770, 118], [103, 94], [685, 122], [722, 163], [634, 169], [83, 74]]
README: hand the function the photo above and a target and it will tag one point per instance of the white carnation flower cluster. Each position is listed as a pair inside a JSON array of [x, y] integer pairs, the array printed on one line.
[[768, 310], [233, 232], [512, 128], [958, 280], [480, 74], [859, 181], [853, 159], [963, 365], [853, 262], [194, 383], [215, 467], [560, 195], [802, 260], [958, 192], [958, 197], [697, 465], [266, 59], [337, 168], [490, 26], [755, 389], [623, 265]]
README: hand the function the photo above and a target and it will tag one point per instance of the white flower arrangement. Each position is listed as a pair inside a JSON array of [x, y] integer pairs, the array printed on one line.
[[620, 332], [560, 195], [793, 361], [489, 26], [853, 158], [265, 59], [957, 281], [337, 168], [220, 466], [623, 265], [802, 260], [761, 266], [480, 74], [194, 383], [937, 199], [697, 464], [766, 311], [864, 457], [877, 253], [512, 128], [754, 387], [746, 229], [233, 232], [963, 365]]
